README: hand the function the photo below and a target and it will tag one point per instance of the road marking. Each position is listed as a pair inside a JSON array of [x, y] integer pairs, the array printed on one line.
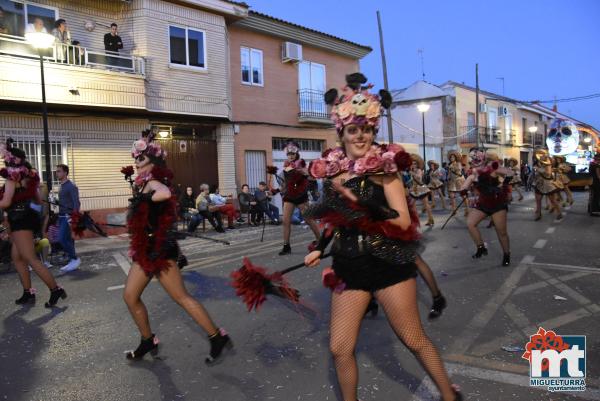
[[471, 331], [539, 244], [427, 390], [561, 320], [123, 263], [565, 267], [551, 230], [568, 291], [115, 287]]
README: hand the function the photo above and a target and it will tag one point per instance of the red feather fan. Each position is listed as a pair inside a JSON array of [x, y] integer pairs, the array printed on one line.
[[253, 283]]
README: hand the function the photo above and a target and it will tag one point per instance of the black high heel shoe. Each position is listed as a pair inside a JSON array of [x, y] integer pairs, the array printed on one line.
[[219, 342], [146, 345], [287, 249], [55, 294], [481, 250], [28, 296], [439, 304], [373, 308], [506, 259]]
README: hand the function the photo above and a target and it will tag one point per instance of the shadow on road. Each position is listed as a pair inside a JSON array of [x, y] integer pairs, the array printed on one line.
[[21, 344], [159, 368]]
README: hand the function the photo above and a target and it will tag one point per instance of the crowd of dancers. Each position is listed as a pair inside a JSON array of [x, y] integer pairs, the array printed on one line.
[[367, 214]]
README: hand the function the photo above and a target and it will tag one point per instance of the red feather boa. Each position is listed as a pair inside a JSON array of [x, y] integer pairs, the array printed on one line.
[[137, 223], [29, 192], [370, 226]]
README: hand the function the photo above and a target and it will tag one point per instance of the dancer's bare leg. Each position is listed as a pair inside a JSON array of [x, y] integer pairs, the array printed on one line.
[[137, 280]]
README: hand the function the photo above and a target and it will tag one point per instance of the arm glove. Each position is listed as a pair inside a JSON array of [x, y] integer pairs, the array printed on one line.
[[377, 211], [324, 240]]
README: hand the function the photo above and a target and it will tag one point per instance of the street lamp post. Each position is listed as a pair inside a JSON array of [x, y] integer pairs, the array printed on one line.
[[423, 108], [42, 41]]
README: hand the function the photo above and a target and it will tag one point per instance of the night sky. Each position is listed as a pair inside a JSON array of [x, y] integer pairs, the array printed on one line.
[[542, 48]]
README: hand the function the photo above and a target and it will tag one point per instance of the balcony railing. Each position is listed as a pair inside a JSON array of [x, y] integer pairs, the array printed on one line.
[[538, 139], [74, 55], [312, 105], [486, 134]]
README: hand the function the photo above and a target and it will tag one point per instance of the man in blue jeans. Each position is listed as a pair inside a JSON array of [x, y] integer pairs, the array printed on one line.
[[68, 197], [263, 200]]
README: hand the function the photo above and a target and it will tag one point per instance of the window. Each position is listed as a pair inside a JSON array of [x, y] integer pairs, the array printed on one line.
[[311, 89], [187, 47], [252, 66], [307, 145], [20, 17]]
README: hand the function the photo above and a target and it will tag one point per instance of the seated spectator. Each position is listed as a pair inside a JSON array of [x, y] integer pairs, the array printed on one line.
[[187, 204], [248, 204], [37, 26], [203, 206], [297, 217], [112, 41], [221, 204], [263, 201]]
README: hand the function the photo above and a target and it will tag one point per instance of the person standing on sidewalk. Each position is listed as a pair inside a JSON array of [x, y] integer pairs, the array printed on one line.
[[68, 197]]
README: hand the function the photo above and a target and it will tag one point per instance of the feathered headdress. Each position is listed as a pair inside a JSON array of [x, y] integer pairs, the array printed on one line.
[[11, 154], [146, 146], [356, 105], [291, 147]]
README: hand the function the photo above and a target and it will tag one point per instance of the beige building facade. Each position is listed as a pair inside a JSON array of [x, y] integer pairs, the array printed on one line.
[[172, 75]]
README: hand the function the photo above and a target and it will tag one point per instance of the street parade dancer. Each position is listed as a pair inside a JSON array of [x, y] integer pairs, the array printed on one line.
[[546, 184], [435, 183], [561, 168], [154, 250], [418, 189], [375, 241], [455, 178], [490, 183], [20, 198], [295, 194], [515, 181]]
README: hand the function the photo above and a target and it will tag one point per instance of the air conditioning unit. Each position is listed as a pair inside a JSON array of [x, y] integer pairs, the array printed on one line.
[[483, 108], [502, 111], [291, 52]]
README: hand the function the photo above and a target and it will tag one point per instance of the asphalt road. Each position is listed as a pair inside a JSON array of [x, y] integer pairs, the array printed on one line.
[[75, 352]]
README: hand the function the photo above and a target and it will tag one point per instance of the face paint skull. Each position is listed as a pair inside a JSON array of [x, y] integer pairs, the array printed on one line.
[[563, 137], [476, 157], [360, 103]]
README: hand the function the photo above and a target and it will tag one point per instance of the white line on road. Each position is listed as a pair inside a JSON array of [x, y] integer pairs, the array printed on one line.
[[115, 287], [479, 321], [124, 263], [551, 230], [539, 244], [565, 267], [426, 390]]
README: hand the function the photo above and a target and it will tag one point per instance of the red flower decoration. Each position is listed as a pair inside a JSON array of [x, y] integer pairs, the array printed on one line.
[[272, 170], [543, 340], [403, 160], [127, 171]]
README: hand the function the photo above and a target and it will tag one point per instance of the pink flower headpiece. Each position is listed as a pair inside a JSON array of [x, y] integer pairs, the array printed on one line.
[[356, 105], [11, 154], [386, 159], [146, 146], [291, 147]]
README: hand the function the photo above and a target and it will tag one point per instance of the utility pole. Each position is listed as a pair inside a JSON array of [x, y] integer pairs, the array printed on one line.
[[477, 102], [385, 79], [420, 51], [502, 79]]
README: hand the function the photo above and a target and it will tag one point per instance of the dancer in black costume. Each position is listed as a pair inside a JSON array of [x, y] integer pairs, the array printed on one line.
[[154, 250], [366, 214], [19, 197]]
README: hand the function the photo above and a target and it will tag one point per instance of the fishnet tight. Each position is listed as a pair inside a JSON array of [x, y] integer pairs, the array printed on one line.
[[400, 305]]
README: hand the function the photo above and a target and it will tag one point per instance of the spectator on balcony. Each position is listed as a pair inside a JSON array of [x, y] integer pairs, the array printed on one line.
[[62, 37], [112, 41], [37, 26], [3, 26]]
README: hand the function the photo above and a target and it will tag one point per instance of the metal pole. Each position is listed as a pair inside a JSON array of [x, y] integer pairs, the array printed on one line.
[[477, 102], [424, 158], [385, 79], [45, 120]]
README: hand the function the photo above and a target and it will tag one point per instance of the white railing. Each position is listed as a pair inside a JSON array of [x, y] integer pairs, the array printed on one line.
[[74, 55]]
